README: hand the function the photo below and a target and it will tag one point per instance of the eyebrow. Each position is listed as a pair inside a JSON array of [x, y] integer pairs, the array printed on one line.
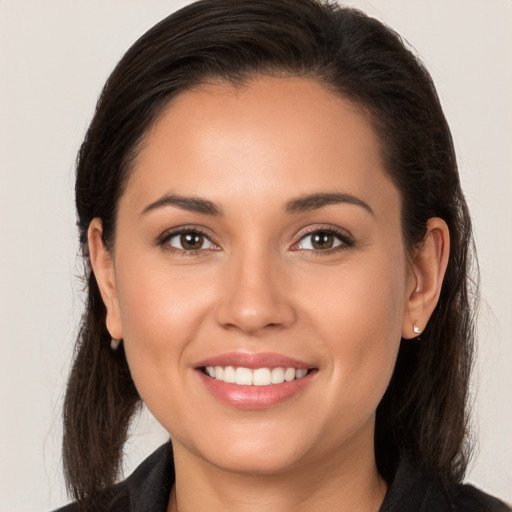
[[302, 204], [192, 204], [315, 201]]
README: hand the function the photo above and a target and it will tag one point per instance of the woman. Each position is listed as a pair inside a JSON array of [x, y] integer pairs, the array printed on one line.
[[279, 252]]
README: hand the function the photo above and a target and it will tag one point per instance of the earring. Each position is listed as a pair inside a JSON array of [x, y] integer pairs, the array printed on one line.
[[416, 329], [114, 344]]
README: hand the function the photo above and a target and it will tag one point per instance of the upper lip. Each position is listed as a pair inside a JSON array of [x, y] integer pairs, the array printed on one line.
[[253, 361]]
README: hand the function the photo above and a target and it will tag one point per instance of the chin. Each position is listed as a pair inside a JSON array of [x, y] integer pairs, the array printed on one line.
[[262, 463], [253, 454]]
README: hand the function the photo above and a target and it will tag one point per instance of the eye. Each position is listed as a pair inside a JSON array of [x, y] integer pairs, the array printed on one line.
[[189, 241], [322, 240]]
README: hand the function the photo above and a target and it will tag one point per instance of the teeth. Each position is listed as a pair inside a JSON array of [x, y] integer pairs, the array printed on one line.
[[261, 377], [277, 376], [258, 377], [300, 373], [289, 374], [229, 375], [243, 376], [219, 372]]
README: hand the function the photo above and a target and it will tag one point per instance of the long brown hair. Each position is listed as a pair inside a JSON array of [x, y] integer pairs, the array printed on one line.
[[424, 411]]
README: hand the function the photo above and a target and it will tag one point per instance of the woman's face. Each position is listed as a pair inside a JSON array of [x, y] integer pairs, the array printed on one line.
[[259, 231]]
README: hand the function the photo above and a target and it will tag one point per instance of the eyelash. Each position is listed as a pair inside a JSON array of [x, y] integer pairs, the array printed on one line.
[[343, 237], [164, 239]]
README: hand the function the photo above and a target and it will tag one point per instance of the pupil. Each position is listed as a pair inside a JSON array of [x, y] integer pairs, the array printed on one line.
[[191, 241], [322, 241]]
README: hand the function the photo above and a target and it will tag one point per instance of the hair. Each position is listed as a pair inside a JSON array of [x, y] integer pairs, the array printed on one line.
[[424, 413]]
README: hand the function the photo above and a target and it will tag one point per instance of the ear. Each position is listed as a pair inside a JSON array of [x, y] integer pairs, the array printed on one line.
[[103, 268], [426, 276]]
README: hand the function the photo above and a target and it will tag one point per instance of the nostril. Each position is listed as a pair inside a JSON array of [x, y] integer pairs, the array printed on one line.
[[251, 302]]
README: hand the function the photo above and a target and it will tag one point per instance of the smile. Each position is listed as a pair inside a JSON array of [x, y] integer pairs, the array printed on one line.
[[254, 377], [255, 381]]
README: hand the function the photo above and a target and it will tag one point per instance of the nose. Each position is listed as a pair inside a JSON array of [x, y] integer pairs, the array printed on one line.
[[254, 297]]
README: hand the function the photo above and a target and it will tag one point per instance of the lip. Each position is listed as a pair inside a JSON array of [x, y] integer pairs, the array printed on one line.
[[254, 397], [253, 361]]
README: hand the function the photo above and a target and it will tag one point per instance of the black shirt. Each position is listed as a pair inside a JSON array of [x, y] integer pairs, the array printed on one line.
[[147, 490]]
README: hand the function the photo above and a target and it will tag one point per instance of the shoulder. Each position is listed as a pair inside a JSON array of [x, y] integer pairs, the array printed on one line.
[[412, 490], [147, 488], [114, 499], [468, 498]]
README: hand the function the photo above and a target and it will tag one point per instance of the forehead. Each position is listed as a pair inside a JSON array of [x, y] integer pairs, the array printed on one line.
[[269, 137]]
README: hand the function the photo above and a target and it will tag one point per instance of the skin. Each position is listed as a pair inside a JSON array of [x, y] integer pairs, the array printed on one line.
[[257, 285]]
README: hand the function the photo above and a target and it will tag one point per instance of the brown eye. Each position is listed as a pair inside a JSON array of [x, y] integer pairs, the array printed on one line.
[[322, 240], [191, 241]]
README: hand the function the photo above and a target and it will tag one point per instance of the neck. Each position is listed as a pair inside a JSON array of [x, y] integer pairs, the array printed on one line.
[[342, 482]]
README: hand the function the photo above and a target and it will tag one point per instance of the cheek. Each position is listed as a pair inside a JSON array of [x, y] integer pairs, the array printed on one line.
[[359, 319], [363, 298], [161, 313], [159, 302]]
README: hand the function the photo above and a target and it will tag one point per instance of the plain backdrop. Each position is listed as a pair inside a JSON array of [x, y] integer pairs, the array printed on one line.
[[55, 56]]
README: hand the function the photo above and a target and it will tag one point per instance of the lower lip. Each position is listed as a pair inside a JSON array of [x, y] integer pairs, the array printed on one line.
[[254, 397]]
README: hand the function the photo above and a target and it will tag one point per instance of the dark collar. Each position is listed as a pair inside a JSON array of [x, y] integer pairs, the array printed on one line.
[[149, 486]]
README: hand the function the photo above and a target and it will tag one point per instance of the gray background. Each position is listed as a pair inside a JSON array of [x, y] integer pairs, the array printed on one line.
[[55, 56]]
